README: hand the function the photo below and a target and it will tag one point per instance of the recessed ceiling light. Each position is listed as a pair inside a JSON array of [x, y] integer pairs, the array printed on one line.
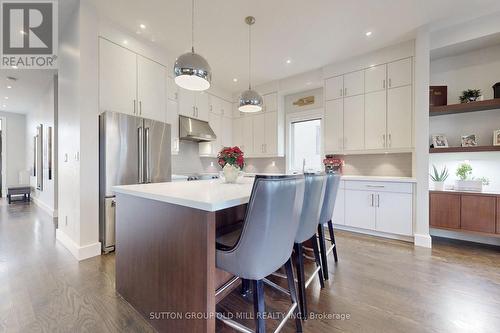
[[9, 87], [368, 33], [6, 97], [142, 26], [288, 61], [125, 42], [235, 80]]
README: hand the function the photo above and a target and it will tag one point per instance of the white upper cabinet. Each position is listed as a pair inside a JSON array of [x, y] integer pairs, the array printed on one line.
[[334, 125], [193, 104], [215, 104], [247, 143], [238, 132], [259, 134], [117, 78], [227, 131], [399, 73], [226, 108], [354, 123], [334, 88], [271, 144], [151, 87], [375, 120], [270, 102], [172, 118], [399, 117], [172, 89], [375, 78], [354, 83]]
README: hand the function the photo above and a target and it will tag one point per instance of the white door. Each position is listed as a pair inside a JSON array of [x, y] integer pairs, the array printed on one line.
[[338, 210], [227, 131], [151, 88], [334, 87], [360, 209], [172, 89], [334, 125], [394, 213], [172, 118], [399, 117], [202, 105], [247, 146], [375, 120], [259, 134], [270, 102], [399, 73], [117, 78], [354, 122], [238, 132], [215, 104], [354, 83], [271, 144], [187, 103], [375, 78]]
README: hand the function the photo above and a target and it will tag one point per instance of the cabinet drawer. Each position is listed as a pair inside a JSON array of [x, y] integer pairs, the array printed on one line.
[[379, 186]]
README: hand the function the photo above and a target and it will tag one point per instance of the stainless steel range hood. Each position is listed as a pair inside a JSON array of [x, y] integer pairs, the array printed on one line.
[[195, 130]]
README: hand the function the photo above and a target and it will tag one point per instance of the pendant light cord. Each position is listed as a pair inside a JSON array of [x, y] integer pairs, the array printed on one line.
[[249, 57], [192, 26]]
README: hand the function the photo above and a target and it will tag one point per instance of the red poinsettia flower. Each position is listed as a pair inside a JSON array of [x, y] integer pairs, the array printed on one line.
[[231, 156]]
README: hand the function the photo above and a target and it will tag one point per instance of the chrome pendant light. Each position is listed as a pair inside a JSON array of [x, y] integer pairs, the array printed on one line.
[[250, 100], [191, 70]]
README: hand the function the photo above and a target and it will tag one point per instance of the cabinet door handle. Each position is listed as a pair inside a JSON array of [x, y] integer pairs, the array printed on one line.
[[134, 106], [140, 107], [390, 83], [371, 196], [383, 138], [375, 186], [383, 84], [341, 92], [378, 200], [390, 140], [345, 91], [176, 96]]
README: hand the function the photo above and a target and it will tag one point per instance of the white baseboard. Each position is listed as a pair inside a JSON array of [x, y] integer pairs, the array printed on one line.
[[423, 240], [374, 233], [79, 252], [49, 210]]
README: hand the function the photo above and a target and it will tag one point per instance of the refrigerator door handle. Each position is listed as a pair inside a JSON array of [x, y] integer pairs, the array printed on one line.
[[141, 154], [148, 156]]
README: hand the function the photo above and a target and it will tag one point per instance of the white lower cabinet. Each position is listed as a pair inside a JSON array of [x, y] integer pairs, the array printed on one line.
[[384, 207], [338, 209]]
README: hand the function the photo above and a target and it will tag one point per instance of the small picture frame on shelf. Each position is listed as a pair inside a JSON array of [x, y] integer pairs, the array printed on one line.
[[469, 140], [496, 138], [440, 141]]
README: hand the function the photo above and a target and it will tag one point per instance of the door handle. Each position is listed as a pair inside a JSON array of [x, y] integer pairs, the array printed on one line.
[[140, 147], [148, 156]]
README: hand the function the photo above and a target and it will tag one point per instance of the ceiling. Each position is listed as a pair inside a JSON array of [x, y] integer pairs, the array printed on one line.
[[26, 92], [310, 34]]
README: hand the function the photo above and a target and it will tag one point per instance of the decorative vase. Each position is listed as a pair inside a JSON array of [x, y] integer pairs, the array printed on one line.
[[438, 186], [231, 173]]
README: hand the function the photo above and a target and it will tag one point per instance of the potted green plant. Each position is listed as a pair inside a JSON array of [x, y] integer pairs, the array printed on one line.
[[470, 95], [439, 177], [466, 181]]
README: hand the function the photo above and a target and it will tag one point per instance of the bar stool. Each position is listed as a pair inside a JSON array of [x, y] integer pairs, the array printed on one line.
[[332, 189], [265, 244], [315, 185]]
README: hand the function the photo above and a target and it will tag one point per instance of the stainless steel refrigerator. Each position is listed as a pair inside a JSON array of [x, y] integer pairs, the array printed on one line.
[[132, 150]]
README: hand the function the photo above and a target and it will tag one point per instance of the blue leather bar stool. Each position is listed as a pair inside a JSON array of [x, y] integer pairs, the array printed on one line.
[[314, 193], [264, 244], [332, 189]]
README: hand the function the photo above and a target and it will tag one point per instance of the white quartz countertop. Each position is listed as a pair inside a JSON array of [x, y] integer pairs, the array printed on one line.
[[209, 195]]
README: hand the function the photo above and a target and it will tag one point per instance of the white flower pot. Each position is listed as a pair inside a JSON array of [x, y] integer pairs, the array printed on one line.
[[231, 173], [438, 186], [469, 185]]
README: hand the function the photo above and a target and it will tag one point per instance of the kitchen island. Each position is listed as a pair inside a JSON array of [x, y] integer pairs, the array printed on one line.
[[165, 249]]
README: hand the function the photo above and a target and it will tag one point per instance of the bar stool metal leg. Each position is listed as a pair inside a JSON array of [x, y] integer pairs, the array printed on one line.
[[322, 247], [332, 239], [293, 294]]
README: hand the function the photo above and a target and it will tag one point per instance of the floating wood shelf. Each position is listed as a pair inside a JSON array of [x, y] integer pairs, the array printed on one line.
[[490, 104], [463, 149]]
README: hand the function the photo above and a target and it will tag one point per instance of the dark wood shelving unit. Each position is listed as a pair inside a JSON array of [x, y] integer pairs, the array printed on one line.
[[490, 104], [463, 149]]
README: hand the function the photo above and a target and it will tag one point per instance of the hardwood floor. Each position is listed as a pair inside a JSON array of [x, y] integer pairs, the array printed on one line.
[[378, 285]]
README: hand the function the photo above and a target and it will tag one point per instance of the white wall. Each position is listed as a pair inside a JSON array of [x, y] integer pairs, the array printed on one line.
[[42, 113], [15, 147]]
